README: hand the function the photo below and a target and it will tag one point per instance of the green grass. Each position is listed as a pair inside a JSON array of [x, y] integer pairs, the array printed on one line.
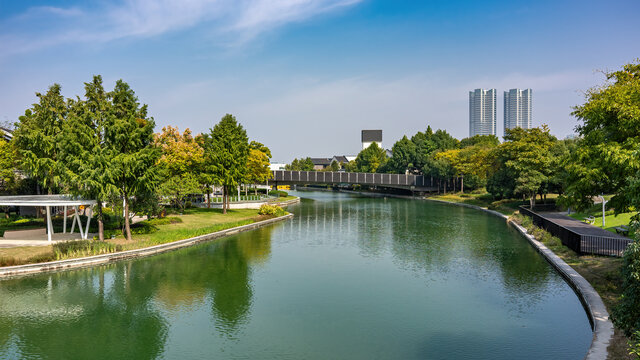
[[611, 221], [482, 199], [193, 222]]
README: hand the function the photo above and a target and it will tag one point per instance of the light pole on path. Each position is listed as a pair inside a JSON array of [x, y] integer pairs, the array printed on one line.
[[604, 202]]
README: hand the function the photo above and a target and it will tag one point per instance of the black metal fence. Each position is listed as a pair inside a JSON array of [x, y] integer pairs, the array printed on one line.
[[580, 243]]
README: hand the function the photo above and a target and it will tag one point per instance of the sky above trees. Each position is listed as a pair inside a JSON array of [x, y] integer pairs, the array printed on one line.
[[305, 76]]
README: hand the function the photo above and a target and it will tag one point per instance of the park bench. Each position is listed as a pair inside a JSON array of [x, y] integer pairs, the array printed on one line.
[[622, 229], [590, 220]]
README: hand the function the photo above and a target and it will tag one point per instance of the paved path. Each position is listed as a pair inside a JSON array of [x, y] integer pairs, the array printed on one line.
[[577, 226]]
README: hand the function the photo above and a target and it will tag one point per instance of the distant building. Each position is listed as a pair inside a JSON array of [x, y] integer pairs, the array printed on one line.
[[277, 166], [517, 109], [320, 163], [6, 133], [482, 112], [371, 136]]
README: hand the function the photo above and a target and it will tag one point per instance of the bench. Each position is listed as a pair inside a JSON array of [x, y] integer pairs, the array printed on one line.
[[590, 220], [622, 229], [25, 234]]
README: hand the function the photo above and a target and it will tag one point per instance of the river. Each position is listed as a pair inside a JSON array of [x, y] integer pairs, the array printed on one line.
[[347, 278]]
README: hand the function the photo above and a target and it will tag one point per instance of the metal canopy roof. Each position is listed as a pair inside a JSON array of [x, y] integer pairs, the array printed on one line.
[[43, 200]]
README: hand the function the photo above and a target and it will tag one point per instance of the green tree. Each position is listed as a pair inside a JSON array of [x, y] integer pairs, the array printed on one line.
[[403, 156], [226, 151], [334, 166], [300, 165], [258, 164], [604, 161], [371, 159], [8, 163], [526, 158], [37, 134], [129, 137], [178, 188], [87, 158]]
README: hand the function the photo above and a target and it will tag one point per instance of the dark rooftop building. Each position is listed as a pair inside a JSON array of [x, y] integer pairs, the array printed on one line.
[[371, 136]]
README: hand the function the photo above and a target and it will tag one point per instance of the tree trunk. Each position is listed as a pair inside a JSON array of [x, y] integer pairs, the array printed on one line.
[[100, 222], [454, 184], [208, 197], [445, 187], [462, 184], [532, 201], [255, 189], [246, 189], [127, 226]]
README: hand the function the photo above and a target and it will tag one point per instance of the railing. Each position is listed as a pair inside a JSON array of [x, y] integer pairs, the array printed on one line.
[[580, 243], [333, 177]]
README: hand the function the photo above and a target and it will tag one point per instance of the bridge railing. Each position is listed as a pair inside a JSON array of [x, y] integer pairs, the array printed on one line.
[[334, 177]]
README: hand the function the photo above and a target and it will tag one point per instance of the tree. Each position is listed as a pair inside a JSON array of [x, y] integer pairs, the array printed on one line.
[[526, 158], [37, 134], [604, 161], [88, 171], [334, 166], [371, 158], [404, 155], [226, 151], [8, 162], [258, 170], [300, 165], [129, 138], [182, 157]]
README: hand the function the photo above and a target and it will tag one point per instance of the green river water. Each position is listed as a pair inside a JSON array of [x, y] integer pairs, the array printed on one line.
[[347, 278]]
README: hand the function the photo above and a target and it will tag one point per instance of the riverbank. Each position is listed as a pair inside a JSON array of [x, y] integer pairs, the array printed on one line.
[[193, 226], [603, 273]]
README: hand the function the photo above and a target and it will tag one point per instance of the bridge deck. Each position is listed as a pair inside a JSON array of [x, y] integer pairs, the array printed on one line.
[[417, 182]]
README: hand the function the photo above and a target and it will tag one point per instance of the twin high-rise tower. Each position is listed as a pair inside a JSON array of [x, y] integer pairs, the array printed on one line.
[[482, 110]]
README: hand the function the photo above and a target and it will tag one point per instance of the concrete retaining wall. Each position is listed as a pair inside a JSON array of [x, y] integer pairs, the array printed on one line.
[[12, 271]]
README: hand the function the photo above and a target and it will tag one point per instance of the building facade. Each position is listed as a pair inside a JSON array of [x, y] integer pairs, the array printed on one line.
[[482, 112], [517, 109], [371, 136]]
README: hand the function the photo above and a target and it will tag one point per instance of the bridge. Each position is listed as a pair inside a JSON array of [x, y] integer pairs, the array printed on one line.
[[399, 181]]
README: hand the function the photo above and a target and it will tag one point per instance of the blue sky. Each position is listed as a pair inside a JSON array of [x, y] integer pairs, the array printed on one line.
[[305, 76]]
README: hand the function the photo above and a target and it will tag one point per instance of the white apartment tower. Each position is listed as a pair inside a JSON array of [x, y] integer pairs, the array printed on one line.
[[482, 112], [517, 109]]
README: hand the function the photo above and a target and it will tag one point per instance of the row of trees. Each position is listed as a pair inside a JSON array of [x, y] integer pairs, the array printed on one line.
[[103, 147]]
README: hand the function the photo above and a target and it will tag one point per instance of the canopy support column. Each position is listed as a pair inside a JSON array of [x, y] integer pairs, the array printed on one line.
[[49, 224], [77, 218], [88, 210], [64, 220]]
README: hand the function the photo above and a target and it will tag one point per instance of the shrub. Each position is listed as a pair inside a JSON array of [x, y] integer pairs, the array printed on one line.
[[143, 227], [634, 344], [69, 249], [266, 209], [626, 315], [279, 193]]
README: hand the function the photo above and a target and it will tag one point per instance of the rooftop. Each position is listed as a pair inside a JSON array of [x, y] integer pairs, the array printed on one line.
[[371, 135]]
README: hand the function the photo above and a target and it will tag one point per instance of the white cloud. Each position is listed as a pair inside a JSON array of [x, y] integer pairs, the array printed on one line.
[[243, 20]]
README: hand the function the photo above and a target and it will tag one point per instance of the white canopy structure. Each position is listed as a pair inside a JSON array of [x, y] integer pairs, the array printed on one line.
[[54, 200]]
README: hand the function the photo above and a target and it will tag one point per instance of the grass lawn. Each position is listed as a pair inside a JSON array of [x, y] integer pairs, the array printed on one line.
[[611, 221], [482, 199], [194, 222]]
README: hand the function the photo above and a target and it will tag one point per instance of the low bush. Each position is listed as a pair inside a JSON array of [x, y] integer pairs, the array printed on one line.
[[279, 193], [70, 249], [143, 227], [266, 209]]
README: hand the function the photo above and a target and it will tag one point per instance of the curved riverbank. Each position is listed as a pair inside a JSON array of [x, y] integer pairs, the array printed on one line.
[[19, 270], [596, 311]]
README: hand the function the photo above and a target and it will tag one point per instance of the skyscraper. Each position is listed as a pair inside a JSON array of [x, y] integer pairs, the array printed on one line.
[[517, 109], [482, 112]]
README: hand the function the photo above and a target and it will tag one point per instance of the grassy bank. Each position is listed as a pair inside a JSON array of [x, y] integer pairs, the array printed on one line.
[[602, 272], [193, 222]]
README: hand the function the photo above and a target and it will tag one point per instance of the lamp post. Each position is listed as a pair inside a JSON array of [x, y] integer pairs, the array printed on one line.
[[604, 202]]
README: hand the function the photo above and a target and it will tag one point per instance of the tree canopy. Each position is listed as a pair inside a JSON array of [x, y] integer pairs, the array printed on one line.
[[371, 159]]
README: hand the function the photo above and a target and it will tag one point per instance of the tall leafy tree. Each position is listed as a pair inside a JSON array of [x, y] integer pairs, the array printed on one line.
[[226, 151], [604, 160], [258, 163], [88, 171], [36, 137], [181, 160], [525, 159], [8, 164], [300, 165], [129, 136], [403, 156], [371, 159]]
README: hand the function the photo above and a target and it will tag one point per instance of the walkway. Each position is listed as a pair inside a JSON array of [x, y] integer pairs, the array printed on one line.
[[577, 226]]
